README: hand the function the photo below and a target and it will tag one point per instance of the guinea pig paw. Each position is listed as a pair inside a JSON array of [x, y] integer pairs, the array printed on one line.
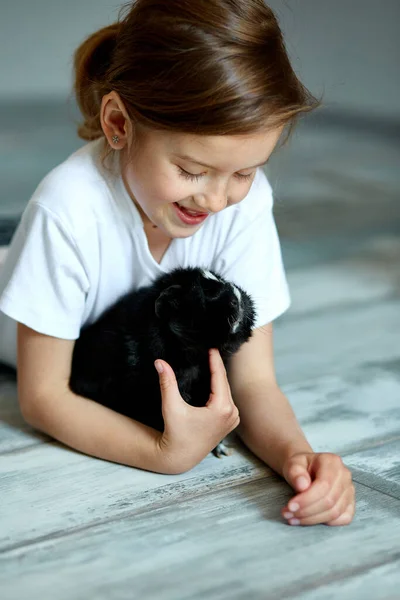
[[222, 450]]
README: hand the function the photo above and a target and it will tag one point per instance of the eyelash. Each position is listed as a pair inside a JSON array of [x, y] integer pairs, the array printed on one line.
[[192, 177]]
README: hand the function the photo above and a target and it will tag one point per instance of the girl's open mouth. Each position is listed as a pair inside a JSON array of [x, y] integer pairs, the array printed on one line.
[[189, 217]]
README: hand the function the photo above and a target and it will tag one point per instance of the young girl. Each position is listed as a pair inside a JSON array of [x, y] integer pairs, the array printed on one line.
[[183, 102]]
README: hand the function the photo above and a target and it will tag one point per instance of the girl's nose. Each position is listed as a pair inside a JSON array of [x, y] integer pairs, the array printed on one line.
[[214, 200], [216, 203]]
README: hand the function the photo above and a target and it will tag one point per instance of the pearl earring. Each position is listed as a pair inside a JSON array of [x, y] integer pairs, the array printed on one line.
[[115, 139]]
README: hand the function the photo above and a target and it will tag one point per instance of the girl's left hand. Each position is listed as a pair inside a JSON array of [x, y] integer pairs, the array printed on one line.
[[325, 489]]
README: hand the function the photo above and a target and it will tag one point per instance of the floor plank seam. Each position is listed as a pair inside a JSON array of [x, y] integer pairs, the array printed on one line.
[[371, 487], [366, 445], [60, 534], [348, 451], [293, 592]]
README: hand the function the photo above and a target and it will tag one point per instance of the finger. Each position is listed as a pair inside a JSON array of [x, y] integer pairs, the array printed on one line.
[[333, 514], [219, 382], [296, 474], [325, 516], [341, 486], [334, 491], [346, 518], [168, 384], [328, 501], [328, 471]]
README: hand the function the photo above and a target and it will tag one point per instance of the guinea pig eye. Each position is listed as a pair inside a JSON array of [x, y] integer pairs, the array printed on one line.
[[173, 294]]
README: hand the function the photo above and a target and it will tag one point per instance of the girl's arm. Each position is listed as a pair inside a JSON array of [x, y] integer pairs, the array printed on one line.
[[48, 404], [268, 425]]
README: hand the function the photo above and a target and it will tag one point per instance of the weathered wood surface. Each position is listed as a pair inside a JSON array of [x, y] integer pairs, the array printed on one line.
[[92, 528], [378, 467], [222, 544], [74, 527], [338, 414]]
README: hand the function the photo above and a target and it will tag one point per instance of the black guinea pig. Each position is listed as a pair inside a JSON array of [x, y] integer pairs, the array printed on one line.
[[177, 318]]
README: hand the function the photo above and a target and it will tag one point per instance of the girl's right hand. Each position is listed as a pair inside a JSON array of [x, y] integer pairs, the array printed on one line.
[[190, 432]]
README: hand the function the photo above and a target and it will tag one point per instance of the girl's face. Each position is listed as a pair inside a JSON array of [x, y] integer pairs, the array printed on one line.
[[204, 174]]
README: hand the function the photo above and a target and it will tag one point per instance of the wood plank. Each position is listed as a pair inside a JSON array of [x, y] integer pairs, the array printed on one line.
[[338, 414], [378, 467], [369, 274], [228, 544], [379, 583], [346, 412], [49, 489], [336, 340]]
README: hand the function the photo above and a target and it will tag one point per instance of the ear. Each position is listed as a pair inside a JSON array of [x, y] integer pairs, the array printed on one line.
[[168, 297], [115, 120]]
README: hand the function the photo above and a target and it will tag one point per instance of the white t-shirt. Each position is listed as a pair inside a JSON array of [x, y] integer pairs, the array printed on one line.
[[81, 245]]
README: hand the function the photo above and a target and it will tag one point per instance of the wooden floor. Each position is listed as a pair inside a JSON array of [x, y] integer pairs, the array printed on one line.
[[73, 527]]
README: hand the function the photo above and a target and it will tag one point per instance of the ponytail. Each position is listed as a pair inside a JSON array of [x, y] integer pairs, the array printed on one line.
[[91, 62]]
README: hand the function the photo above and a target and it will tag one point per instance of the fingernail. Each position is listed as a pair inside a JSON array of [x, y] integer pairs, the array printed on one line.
[[294, 522], [159, 366], [288, 515], [293, 507], [302, 482]]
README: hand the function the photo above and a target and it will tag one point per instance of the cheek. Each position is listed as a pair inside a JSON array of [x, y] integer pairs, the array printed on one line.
[[237, 193], [154, 188], [166, 189]]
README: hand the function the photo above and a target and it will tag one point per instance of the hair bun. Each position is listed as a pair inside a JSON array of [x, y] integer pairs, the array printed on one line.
[[97, 52], [91, 62]]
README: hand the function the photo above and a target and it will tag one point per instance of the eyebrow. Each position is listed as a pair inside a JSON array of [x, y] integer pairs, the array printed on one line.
[[193, 160]]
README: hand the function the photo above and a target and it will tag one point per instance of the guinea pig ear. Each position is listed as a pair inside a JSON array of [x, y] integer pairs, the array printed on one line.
[[167, 299]]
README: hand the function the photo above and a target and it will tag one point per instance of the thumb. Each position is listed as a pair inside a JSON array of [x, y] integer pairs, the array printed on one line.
[[168, 384], [296, 472]]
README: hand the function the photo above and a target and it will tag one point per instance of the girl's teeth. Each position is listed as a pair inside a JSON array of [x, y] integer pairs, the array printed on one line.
[[190, 212]]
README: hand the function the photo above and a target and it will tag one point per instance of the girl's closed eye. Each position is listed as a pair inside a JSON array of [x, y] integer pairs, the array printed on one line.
[[196, 177]]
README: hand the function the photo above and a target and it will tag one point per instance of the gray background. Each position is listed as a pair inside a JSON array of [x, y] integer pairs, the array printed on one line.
[[346, 49]]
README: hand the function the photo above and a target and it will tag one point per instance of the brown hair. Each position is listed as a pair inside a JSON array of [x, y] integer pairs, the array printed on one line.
[[208, 67]]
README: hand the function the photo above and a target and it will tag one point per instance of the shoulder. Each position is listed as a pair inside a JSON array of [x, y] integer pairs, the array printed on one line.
[[75, 191]]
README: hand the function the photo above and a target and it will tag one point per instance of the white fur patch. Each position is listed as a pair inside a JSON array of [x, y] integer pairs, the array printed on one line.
[[209, 275], [238, 295]]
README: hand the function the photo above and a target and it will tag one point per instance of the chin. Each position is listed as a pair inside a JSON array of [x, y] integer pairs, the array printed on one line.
[[184, 232]]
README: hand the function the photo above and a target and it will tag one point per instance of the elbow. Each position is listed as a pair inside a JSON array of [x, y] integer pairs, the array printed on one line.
[[180, 470], [32, 410], [30, 413]]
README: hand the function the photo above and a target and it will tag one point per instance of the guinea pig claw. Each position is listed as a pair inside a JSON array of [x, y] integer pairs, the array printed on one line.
[[222, 450]]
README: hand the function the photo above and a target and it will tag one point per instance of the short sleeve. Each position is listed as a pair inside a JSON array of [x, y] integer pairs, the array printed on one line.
[[44, 281], [253, 260]]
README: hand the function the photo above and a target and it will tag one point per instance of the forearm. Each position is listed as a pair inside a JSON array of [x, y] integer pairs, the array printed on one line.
[[268, 425], [98, 431]]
